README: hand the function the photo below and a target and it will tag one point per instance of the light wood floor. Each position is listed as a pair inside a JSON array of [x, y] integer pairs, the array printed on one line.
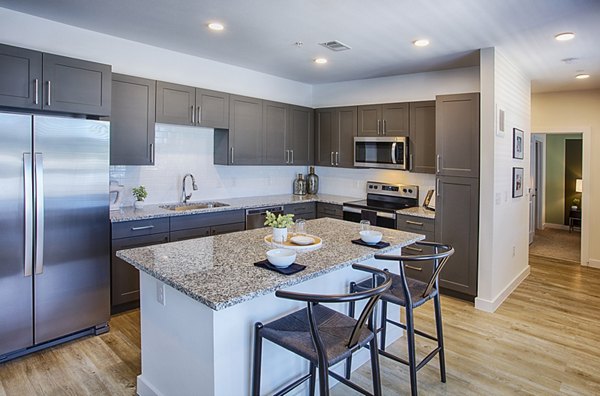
[[543, 340]]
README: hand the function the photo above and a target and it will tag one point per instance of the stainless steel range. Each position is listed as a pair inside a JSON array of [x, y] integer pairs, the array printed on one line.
[[383, 200]]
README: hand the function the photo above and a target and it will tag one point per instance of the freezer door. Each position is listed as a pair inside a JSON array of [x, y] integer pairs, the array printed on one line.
[[16, 306], [72, 282]]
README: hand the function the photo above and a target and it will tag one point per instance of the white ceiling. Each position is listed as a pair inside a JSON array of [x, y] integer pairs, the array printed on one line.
[[261, 34]]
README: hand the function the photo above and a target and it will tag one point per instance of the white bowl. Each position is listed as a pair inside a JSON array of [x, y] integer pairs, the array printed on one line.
[[281, 257], [302, 240], [371, 237]]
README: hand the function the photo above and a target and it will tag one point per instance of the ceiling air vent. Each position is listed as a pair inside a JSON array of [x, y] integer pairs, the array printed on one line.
[[335, 45]]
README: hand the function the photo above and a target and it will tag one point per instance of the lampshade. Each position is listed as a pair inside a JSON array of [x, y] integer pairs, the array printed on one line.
[[579, 185]]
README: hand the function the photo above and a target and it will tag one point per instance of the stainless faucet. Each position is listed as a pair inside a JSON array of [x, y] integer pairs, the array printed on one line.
[[186, 197]]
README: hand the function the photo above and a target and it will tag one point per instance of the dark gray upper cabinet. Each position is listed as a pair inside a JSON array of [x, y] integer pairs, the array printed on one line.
[[76, 86], [457, 224], [457, 135], [185, 105], [212, 109], [34, 80], [245, 130], [300, 136], [422, 137], [275, 124], [389, 119], [20, 77], [132, 120], [175, 103], [335, 132]]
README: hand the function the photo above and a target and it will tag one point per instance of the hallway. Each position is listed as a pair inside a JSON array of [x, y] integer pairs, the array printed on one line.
[[557, 244]]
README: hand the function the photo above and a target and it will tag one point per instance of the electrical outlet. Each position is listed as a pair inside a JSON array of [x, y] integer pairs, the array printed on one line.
[[160, 293]]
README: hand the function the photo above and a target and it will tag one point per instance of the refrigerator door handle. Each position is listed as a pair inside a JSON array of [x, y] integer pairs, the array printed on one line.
[[39, 213], [28, 194]]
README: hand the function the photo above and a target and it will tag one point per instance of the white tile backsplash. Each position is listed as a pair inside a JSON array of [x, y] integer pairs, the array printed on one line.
[[181, 150]]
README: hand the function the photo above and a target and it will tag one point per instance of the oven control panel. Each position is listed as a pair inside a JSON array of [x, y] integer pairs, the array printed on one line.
[[394, 190]]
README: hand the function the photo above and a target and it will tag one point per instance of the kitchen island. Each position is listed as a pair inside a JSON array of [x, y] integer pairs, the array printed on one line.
[[200, 299]]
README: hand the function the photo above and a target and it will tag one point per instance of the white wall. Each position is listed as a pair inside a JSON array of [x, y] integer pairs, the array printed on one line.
[[504, 221], [130, 57], [181, 150]]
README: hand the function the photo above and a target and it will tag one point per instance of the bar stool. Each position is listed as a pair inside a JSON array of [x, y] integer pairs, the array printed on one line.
[[410, 294], [324, 336]]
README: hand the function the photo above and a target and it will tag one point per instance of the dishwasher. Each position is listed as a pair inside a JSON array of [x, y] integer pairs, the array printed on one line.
[[255, 218]]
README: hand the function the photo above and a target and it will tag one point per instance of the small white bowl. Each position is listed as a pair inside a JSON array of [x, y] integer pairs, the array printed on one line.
[[302, 240], [281, 257], [371, 237]]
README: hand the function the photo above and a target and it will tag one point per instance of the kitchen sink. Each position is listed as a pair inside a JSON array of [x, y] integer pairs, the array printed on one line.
[[193, 206]]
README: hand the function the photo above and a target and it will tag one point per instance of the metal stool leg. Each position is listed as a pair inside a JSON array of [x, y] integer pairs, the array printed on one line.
[[410, 336], [351, 309], [257, 359], [375, 372], [383, 324], [323, 380], [440, 336], [313, 380]]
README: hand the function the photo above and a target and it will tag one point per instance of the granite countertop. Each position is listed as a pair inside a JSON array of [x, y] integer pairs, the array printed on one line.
[[219, 271], [418, 211], [154, 211]]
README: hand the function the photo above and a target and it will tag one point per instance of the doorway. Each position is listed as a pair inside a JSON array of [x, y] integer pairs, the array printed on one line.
[[556, 197]]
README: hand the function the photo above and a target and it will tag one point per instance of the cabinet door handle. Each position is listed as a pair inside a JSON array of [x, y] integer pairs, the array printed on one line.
[[378, 126], [410, 164], [437, 187], [152, 153], [292, 161], [49, 92], [232, 155], [384, 126], [193, 115], [148, 227], [199, 115], [437, 163], [36, 84], [414, 223], [413, 268], [287, 156], [331, 158]]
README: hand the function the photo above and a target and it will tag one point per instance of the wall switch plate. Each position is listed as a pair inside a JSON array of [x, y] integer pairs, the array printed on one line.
[[160, 293]]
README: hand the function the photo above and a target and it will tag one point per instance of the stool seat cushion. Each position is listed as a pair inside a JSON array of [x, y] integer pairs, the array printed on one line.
[[293, 333], [395, 294]]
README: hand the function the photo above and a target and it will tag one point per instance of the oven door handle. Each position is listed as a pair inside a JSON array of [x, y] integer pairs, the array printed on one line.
[[359, 211], [394, 153]]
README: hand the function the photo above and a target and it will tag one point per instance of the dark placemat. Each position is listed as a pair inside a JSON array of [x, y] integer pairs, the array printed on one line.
[[378, 245], [292, 269]]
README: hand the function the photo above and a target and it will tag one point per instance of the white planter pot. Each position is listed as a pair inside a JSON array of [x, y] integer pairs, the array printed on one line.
[[139, 204], [279, 234]]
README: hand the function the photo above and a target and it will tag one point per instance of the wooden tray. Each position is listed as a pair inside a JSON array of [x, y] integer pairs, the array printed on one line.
[[289, 245]]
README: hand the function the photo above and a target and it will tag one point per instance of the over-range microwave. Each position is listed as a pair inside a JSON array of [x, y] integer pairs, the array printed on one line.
[[381, 152]]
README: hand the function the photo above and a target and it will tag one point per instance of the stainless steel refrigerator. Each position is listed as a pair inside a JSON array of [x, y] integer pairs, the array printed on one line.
[[54, 230]]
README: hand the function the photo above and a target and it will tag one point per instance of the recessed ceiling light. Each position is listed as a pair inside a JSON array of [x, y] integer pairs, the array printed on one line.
[[421, 43], [216, 26], [566, 36], [320, 61], [582, 76]]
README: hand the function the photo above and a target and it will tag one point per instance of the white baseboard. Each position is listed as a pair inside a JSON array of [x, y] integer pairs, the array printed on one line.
[[145, 389], [594, 263], [492, 305], [556, 226]]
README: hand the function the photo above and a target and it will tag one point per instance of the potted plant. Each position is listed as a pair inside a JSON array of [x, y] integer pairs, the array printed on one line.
[[140, 194], [280, 223]]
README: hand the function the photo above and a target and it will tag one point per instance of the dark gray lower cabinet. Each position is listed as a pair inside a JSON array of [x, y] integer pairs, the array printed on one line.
[[329, 210], [20, 77], [132, 120], [457, 224], [424, 269], [306, 211], [201, 225]]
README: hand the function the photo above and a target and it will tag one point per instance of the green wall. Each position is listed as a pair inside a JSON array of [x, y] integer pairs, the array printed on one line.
[[555, 176]]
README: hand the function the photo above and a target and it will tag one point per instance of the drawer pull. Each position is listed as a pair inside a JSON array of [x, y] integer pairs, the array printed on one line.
[[414, 249], [414, 223], [148, 227], [413, 268]]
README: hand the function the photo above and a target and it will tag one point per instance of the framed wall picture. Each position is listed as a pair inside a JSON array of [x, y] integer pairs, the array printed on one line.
[[517, 182], [518, 143]]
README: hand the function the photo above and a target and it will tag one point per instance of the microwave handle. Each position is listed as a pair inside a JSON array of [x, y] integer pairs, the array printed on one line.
[[394, 153]]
